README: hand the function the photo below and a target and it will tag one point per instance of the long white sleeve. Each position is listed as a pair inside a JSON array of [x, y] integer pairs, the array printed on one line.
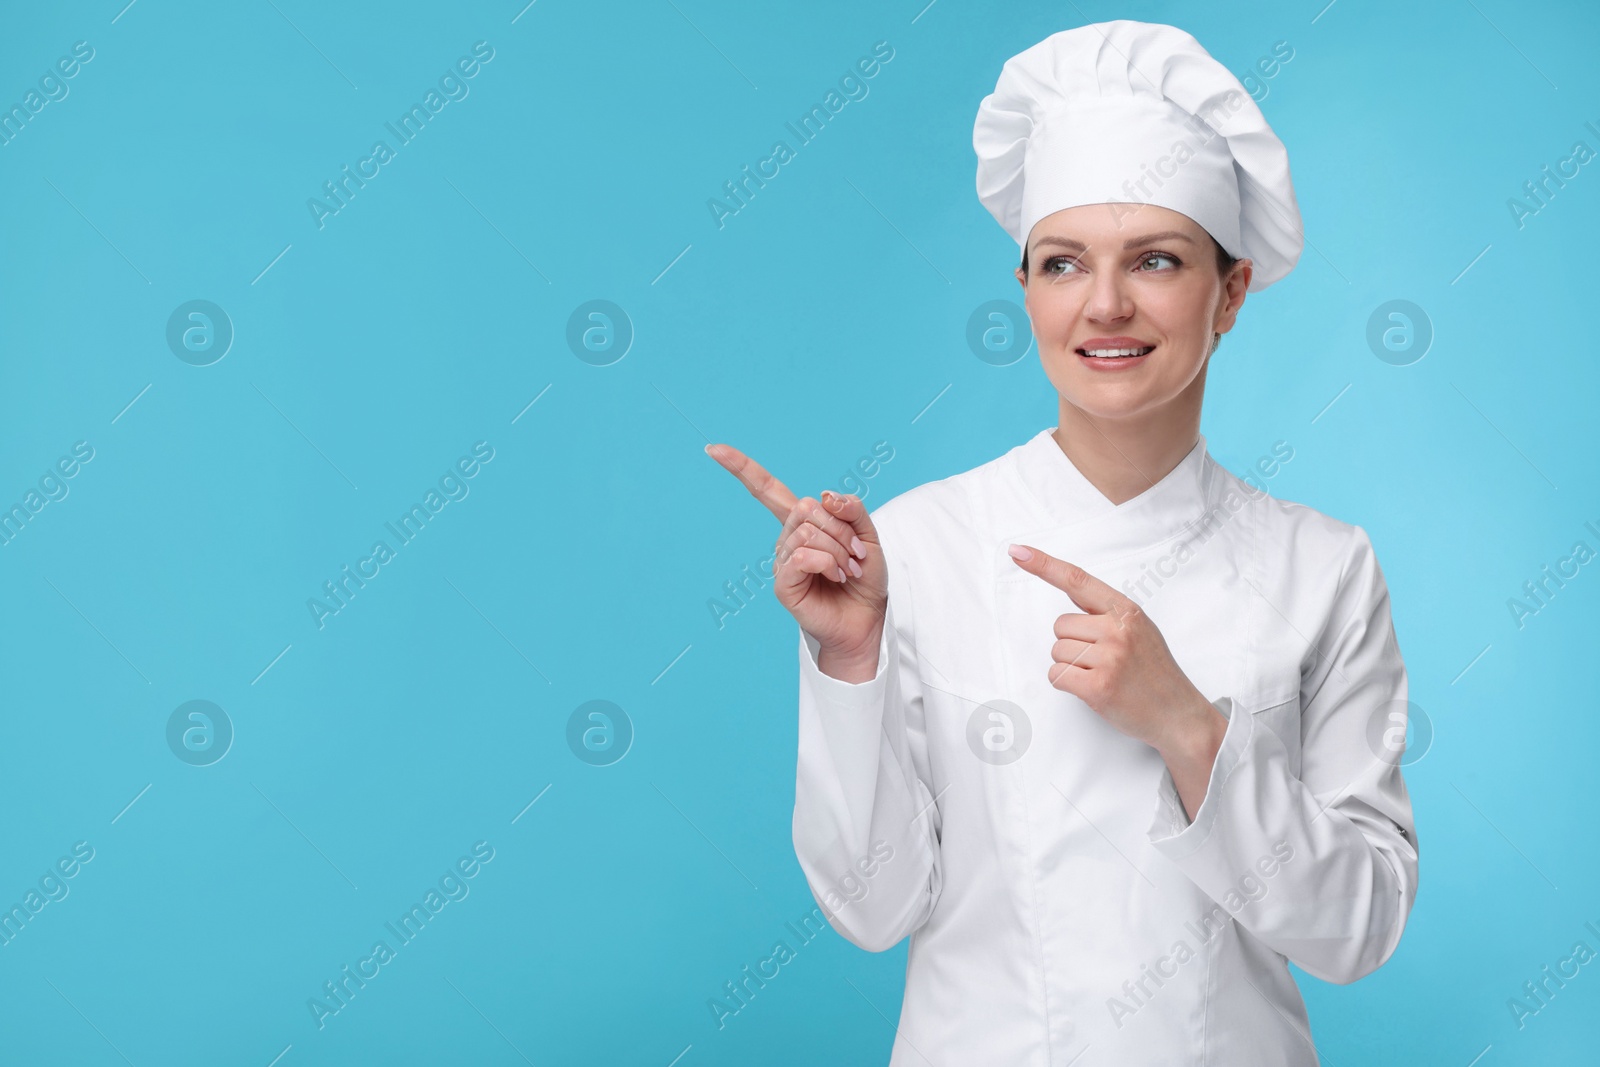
[[866, 829], [1336, 906]]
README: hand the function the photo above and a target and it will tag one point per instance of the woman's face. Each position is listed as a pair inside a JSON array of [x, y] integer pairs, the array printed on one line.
[[1109, 278]]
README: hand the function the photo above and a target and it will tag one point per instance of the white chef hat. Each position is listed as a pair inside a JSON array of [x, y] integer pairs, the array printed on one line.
[[1136, 113]]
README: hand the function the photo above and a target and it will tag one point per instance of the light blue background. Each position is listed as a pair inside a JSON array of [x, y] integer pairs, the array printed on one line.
[[821, 319]]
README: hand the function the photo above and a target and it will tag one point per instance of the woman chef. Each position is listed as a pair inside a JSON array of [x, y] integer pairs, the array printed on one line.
[[1107, 732]]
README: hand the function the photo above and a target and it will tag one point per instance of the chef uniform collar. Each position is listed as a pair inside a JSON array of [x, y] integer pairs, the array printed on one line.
[[1134, 113], [1071, 507]]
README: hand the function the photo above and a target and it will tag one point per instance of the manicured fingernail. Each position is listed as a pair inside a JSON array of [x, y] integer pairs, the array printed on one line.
[[1018, 552], [840, 572], [858, 548], [855, 568], [829, 498]]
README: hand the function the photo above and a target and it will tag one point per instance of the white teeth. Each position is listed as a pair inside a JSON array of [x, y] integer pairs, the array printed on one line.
[[1116, 353]]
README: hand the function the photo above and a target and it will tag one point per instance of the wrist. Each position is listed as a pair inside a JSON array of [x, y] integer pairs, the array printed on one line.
[[1197, 737], [853, 664]]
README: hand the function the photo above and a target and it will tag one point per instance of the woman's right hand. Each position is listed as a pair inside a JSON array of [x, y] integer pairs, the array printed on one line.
[[829, 573]]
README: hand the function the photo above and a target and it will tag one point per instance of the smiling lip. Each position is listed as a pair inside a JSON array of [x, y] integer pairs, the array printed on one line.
[[1122, 360], [1113, 342]]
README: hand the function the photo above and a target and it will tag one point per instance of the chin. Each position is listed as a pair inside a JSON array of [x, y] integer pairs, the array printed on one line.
[[1118, 394], [1111, 400], [1108, 409]]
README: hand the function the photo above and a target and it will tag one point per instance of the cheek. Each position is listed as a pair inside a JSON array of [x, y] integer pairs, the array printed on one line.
[[1181, 319], [1184, 312], [1053, 314]]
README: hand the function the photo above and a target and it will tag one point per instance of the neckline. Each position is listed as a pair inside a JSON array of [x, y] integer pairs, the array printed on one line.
[[1068, 499]]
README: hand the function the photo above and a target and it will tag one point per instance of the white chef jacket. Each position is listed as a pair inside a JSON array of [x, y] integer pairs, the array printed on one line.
[[1062, 908]]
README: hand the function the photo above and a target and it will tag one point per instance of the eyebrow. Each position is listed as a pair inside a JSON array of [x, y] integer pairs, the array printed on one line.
[[1132, 242]]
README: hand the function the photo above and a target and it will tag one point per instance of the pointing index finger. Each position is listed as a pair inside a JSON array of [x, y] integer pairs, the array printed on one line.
[[1086, 591], [762, 485]]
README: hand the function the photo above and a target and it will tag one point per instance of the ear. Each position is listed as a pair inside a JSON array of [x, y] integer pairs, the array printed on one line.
[[1022, 279], [1235, 286]]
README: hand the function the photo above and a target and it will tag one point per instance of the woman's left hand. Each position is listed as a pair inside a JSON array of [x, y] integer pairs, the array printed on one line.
[[1115, 660]]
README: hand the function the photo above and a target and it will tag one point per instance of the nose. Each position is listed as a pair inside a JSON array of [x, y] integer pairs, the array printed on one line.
[[1109, 300]]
